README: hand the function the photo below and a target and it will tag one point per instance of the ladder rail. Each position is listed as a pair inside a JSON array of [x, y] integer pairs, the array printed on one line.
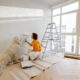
[[46, 41], [51, 26]]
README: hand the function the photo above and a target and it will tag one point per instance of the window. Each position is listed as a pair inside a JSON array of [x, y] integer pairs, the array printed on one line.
[[65, 18], [69, 23], [56, 20], [19, 12], [56, 11], [70, 7], [79, 44], [70, 44]]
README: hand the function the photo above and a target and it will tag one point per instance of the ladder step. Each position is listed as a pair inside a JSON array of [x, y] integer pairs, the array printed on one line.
[[51, 23], [54, 39], [44, 41], [44, 46], [55, 33], [45, 38], [47, 32], [51, 28], [51, 39]]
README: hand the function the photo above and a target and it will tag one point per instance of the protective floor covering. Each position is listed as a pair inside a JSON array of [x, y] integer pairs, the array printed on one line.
[[37, 69]]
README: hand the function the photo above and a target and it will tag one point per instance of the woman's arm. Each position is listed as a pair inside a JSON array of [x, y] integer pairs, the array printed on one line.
[[28, 43]]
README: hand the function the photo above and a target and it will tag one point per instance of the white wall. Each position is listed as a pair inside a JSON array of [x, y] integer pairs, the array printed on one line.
[[13, 27], [24, 3]]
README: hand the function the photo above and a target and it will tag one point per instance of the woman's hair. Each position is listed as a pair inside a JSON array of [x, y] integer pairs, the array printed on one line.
[[34, 36]]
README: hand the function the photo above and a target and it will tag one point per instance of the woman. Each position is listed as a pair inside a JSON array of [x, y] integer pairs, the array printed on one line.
[[35, 52]]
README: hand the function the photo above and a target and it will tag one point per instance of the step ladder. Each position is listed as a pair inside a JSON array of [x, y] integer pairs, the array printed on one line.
[[51, 34]]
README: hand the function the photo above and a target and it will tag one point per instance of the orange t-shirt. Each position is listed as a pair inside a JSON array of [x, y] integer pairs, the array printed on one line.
[[36, 45]]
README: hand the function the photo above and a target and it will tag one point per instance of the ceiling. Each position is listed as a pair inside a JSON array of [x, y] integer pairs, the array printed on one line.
[[31, 3], [53, 2]]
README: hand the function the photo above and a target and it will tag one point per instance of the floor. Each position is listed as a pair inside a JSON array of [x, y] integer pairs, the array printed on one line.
[[66, 69]]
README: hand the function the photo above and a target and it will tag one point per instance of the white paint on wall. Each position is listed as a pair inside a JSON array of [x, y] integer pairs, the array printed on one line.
[[10, 28], [6, 11]]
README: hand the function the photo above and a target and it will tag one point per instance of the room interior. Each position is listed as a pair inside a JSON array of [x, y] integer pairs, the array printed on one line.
[[57, 23]]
